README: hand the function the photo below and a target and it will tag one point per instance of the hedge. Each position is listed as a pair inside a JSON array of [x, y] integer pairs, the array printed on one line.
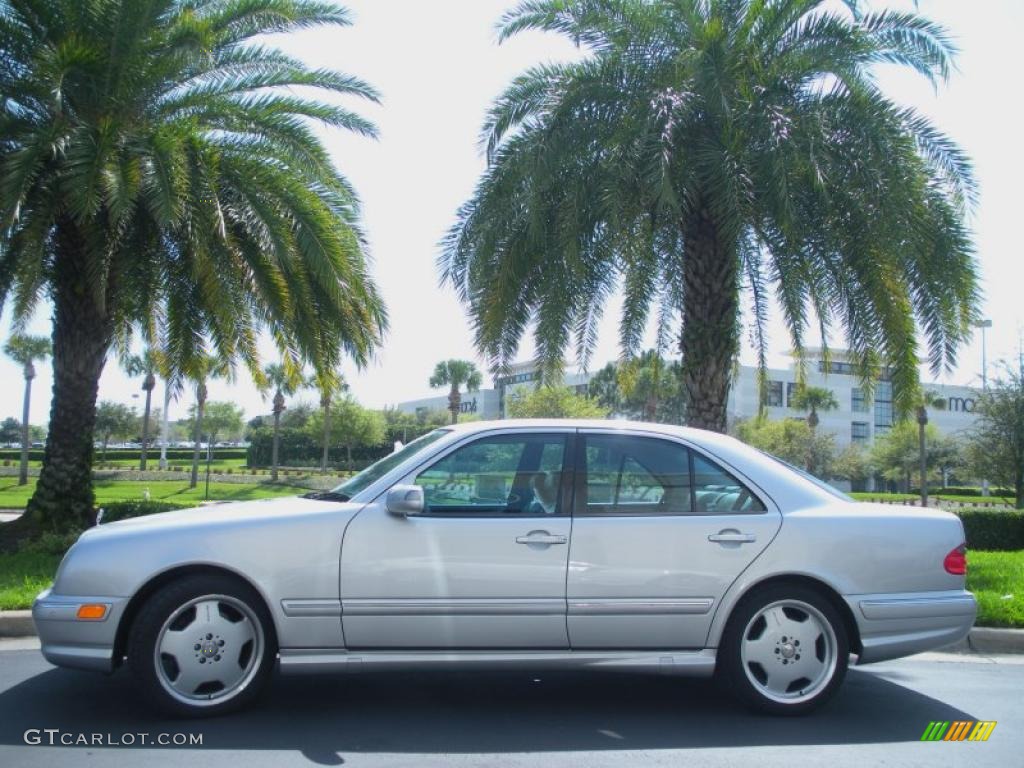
[[965, 491], [122, 510], [993, 529], [298, 448], [115, 454]]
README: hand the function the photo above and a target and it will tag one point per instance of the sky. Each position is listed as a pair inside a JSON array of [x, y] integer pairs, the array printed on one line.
[[438, 67]]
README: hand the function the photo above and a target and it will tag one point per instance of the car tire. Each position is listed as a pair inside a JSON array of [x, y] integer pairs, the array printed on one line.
[[785, 650], [202, 645]]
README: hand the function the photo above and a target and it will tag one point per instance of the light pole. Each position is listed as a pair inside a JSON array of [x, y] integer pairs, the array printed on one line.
[[984, 324]]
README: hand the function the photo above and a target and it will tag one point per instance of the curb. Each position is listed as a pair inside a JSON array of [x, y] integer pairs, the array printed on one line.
[[16, 624], [980, 640]]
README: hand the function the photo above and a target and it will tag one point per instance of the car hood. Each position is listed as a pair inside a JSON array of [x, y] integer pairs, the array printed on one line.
[[222, 514]]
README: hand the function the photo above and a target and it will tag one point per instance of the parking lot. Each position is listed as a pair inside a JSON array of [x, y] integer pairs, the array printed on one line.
[[513, 719]]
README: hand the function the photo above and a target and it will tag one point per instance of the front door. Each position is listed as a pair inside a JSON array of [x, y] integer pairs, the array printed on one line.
[[660, 533], [483, 567]]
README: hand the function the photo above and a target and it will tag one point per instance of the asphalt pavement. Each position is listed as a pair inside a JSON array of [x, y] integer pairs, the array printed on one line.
[[579, 719]]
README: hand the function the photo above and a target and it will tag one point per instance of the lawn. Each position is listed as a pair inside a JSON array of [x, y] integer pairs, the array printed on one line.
[[14, 496], [24, 575], [997, 580]]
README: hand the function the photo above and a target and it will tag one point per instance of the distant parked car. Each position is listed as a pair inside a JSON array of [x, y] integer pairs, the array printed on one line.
[[519, 544]]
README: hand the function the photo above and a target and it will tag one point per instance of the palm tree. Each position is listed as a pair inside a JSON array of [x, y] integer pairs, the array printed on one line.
[[159, 167], [145, 365], [26, 351], [327, 384], [284, 379], [813, 399], [928, 399], [455, 374], [201, 369], [700, 149]]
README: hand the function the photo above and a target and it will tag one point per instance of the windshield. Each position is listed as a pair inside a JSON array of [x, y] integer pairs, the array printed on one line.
[[378, 469], [808, 476]]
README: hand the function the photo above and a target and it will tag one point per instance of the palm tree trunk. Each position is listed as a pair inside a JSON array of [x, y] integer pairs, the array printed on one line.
[[924, 465], [145, 428], [710, 332], [103, 453], [454, 400], [82, 332], [197, 434], [23, 468], [275, 445], [327, 435], [165, 425]]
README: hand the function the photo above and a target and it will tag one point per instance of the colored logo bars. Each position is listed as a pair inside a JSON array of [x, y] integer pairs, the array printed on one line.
[[958, 730]]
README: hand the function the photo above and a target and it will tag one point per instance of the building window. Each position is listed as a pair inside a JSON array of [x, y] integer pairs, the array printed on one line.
[[858, 403], [883, 406], [773, 394], [859, 431], [790, 393]]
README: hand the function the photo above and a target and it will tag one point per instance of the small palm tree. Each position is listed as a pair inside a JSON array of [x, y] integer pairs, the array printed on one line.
[[284, 379], [200, 369], [26, 351], [928, 400], [455, 374], [327, 386], [814, 399], [146, 365]]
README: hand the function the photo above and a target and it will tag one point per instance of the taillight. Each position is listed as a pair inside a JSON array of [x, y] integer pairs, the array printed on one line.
[[956, 561]]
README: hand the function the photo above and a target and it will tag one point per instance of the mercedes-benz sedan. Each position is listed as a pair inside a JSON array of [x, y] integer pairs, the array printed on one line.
[[519, 544]]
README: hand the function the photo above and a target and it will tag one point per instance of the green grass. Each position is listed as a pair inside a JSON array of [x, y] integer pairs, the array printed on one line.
[[14, 496], [997, 580], [23, 575]]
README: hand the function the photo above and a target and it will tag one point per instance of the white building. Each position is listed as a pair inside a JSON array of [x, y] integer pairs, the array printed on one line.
[[856, 420]]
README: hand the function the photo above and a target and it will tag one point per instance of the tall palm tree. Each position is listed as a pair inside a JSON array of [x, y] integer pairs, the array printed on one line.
[[26, 351], [160, 168], [200, 370], [146, 365], [927, 399], [814, 399], [454, 374], [700, 149], [284, 379]]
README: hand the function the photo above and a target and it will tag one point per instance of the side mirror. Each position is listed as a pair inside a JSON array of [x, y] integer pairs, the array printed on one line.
[[405, 500]]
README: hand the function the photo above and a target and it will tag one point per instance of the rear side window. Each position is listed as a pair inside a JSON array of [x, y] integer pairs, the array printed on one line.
[[625, 475]]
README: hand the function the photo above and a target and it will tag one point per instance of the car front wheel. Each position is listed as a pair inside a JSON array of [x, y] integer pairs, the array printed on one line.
[[202, 645], [785, 650]]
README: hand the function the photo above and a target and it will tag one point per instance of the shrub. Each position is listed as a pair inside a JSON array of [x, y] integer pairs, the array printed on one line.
[[993, 529], [122, 510]]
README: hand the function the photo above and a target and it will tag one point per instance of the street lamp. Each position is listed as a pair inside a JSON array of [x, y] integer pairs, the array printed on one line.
[[984, 324]]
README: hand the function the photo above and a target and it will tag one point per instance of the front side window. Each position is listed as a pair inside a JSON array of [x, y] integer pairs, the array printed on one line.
[[500, 475], [624, 475]]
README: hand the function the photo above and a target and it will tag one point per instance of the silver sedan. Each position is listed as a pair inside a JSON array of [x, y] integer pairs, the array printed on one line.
[[525, 544]]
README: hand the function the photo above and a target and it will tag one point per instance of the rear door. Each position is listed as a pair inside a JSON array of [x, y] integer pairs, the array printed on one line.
[[660, 532]]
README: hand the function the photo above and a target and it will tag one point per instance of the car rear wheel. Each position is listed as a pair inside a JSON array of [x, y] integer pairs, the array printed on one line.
[[785, 650], [202, 645]]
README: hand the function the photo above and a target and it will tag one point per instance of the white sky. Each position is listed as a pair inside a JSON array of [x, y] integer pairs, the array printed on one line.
[[439, 67]]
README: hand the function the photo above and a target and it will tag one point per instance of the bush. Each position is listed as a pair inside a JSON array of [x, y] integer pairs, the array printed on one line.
[[991, 529], [122, 510], [965, 491], [121, 454]]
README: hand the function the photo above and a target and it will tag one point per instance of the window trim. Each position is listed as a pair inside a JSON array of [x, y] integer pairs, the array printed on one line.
[[580, 478], [566, 482]]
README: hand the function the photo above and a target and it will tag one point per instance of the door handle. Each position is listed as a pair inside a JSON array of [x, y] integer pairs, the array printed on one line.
[[731, 536], [541, 537]]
